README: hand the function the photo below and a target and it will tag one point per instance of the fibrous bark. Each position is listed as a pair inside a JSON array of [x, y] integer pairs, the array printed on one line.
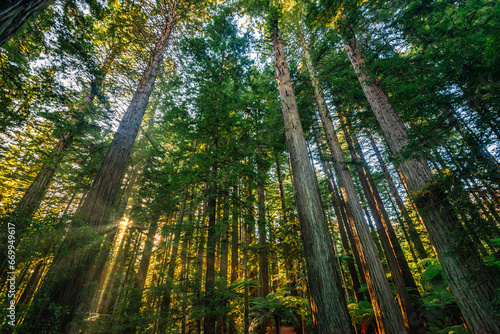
[[102, 193], [467, 277], [415, 238], [387, 313], [327, 297]]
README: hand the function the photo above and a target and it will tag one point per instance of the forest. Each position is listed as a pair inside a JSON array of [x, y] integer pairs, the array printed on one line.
[[250, 166]]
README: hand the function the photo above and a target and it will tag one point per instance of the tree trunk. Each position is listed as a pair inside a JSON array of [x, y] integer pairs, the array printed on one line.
[[392, 249], [341, 218], [30, 288], [328, 303], [261, 204], [468, 279], [102, 193], [224, 240], [13, 14], [415, 238], [166, 298], [199, 260], [386, 311], [234, 236], [32, 198], [210, 319]]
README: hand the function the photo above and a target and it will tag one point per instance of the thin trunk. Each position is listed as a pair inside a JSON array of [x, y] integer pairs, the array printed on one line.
[[341, 218], [234, 236], [327, 297], [33, 197], [199, 260], [166, 298], [392, 249], [387, 313], [415, 238], [261, 204], [468, 279], [72, 198], [210, 319], [261, 223], [30, 288], [246, 319], [224, 241], [147, 252]]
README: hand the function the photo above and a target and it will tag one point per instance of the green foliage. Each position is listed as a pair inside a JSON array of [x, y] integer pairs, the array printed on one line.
[[266, 309], [361, 312]]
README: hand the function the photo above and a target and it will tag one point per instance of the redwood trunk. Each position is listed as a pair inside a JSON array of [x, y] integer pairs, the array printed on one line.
[[415, 238], [341, 218], [387, 313], [467, 277], [328, 303], [102, 193], [398, 265]]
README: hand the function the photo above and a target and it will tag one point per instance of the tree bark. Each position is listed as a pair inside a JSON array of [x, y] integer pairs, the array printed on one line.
[[210, 319], [328, 303], [261, 204], [468, 279], [234, 236], [102, 193], [415, 238], [387, 313], [400, 271], [13, 14], [341, 218]]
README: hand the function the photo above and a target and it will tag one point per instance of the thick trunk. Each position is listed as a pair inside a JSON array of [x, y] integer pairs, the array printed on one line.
[[468, 279], [415, 238], [102, 194], [328, 303], [387, 313], [13, 14]]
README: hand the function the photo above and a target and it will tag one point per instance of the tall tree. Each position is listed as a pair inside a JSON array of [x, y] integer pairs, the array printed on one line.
[[388, 315], [327, 298], [465, 272]]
